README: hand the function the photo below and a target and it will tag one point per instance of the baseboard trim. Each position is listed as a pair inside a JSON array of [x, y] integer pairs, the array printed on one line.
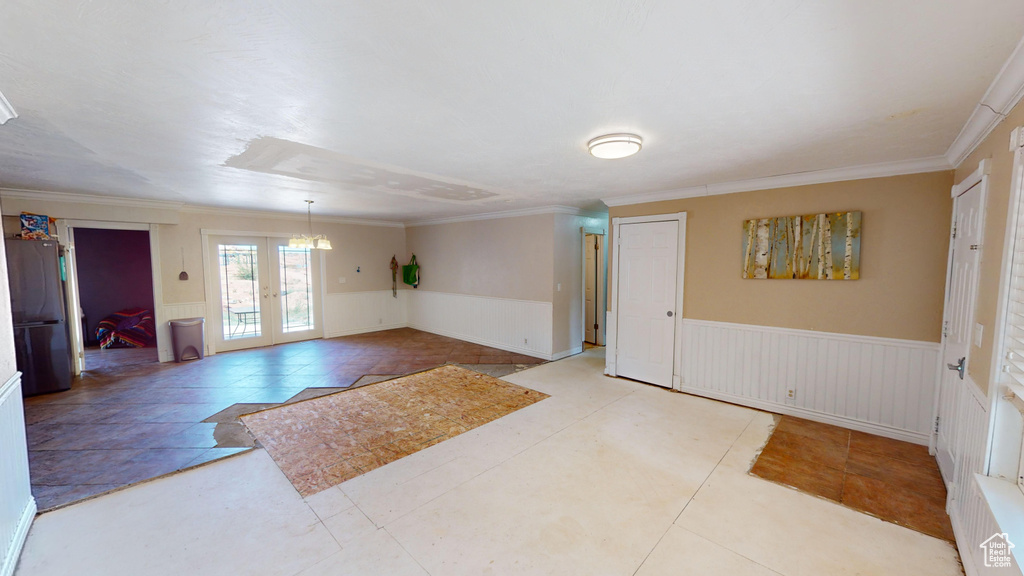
[[483, 342], [567, 353], [14, 551], [851, 423], [378, 328]]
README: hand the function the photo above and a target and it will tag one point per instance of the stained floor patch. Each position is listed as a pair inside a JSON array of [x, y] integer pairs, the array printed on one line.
[[896, 481], [325, 441]]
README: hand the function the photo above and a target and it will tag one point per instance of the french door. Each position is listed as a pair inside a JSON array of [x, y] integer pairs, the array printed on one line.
[[266, 293]]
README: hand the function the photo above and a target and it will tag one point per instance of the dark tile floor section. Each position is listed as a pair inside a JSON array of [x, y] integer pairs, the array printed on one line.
[[896, 481], [128, 418]]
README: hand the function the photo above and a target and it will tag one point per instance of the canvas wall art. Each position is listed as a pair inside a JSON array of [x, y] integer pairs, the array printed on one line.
[[816, 247]]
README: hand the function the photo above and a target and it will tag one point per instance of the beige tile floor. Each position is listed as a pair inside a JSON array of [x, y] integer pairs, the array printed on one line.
[[604, 477]]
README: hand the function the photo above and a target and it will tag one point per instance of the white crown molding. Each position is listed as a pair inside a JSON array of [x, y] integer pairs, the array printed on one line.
[[64, 197], [1003, 94], [7, 111], [881, 170], [509, 214], [46, 196], [246, 213]]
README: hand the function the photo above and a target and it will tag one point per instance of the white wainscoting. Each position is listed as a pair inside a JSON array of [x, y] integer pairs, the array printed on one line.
[[17, 506], [521, 326], [878, 385], [357, 312], [176, 312], [972, 519]]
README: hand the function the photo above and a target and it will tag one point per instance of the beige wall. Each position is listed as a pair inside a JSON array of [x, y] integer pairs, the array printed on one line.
[[368, 247], [903, 258], [501, 258], [997, 148]]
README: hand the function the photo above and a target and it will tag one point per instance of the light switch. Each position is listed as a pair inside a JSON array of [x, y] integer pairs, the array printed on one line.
[[558, 287], [978, 331], [341, 279]]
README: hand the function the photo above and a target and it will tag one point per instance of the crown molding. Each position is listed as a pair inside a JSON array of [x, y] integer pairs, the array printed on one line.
[[47, 196], [881, 170], [247, 213], [7, 111], [509, 214], [1002, 95]]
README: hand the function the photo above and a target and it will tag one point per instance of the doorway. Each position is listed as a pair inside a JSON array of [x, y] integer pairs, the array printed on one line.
[[594, 281], [647, 293], [263, 292], [955, 383]]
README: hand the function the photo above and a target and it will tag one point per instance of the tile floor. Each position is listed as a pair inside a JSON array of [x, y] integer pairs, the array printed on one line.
[[896, 481], [128, 419], [322, 442], [606, 476]]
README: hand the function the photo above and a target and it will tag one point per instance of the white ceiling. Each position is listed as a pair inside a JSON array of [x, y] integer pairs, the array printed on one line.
[[414, 110]]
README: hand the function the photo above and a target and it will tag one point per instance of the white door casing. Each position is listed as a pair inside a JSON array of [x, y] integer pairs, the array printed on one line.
[[590, 247], [967, 233], [268, 315], [646, 301]]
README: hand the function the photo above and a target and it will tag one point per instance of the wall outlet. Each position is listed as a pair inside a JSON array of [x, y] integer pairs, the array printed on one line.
[[380, 320], [341, 279], [979, 331], [558, 287], [790, 396], [525, 341]]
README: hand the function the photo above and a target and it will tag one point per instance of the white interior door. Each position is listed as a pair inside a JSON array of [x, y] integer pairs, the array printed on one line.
[[267, 293], [647, 301], [959, 320], [590, 247]]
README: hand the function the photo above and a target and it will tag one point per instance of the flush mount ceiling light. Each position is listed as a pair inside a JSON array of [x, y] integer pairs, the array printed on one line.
[[612, 146], [318, 242], [6, 110]]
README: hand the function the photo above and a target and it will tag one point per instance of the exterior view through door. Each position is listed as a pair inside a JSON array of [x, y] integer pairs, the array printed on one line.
[[646, 300], [266, 293]]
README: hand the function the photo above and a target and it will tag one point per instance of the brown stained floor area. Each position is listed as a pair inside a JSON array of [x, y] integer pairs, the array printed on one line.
[[322, 442], [896, 481], [129, 418]]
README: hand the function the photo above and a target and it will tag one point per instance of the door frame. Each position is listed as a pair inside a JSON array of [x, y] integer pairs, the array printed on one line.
[[209, 273], [612, 321], [65, 231], [979, 177], [600, 289]]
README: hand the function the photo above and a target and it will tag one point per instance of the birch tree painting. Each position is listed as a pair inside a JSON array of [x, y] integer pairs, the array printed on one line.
[[817, 246]]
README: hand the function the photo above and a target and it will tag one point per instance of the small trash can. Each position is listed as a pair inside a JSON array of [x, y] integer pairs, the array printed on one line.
[[188, 339]]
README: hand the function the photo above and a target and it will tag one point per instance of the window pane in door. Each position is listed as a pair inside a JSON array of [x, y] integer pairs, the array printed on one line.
[[239, 290], [296, 289]]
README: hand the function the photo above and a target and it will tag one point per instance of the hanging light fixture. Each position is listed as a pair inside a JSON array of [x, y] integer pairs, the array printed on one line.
[[318, 242], [612, 146]]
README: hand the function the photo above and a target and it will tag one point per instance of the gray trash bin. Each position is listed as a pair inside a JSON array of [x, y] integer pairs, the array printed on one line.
[[188, 339]]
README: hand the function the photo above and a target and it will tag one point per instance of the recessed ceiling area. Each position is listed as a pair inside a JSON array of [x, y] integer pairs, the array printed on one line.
[[447, 108]]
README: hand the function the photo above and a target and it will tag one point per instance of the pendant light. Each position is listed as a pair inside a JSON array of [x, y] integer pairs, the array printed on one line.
[[318, 242]]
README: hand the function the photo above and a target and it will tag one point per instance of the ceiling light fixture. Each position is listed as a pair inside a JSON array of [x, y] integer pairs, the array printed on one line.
[[6, 110], [612, 146], [318, 242]]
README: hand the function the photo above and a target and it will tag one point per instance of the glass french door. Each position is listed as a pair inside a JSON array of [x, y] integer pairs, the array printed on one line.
[[267, 293]]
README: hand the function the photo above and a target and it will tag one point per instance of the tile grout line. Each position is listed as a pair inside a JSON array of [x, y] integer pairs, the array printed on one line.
[[409, 554], [695, 492], [489, 468]]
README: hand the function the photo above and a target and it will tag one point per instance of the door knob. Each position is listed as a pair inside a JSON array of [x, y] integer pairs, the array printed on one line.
[[669, 313], [958, 367]]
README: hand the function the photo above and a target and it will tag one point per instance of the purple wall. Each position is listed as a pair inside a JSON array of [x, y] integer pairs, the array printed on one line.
[[114, 274]]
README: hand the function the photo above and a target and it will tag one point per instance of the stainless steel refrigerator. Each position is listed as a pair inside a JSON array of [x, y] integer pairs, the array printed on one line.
[[41, 337]]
